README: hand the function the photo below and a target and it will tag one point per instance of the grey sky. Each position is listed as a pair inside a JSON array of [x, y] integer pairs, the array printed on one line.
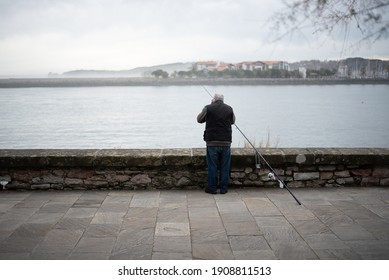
[[37, 37]]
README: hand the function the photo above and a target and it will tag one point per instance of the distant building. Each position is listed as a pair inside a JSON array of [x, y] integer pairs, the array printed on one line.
[[303, 72], [280, 65], [342, 71], [252, 65], [245, 65], [205, 65]]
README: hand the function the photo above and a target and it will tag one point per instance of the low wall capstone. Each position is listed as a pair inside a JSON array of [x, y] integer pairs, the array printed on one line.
[[186, 168]]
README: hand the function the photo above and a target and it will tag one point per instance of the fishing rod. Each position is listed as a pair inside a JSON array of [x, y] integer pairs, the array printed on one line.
[[272, 175]]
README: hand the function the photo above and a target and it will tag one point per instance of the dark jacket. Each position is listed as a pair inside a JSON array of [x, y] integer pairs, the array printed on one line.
[[218, 117]]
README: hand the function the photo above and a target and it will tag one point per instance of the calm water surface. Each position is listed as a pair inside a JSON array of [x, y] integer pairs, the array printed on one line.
[[165, 117]]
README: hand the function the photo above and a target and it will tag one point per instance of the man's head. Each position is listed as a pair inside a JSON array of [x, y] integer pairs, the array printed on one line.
[[218, 97]]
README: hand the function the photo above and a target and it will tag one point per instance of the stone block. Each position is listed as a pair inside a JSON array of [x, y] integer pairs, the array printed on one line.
[[345, 181], [384, 182], [142, 179], [80, 173], [184, 181], [342, 174], [326, 175], [327, 168], [72, 181], [236, 175], [381, 172], [120, 178], [40, 186], [296, 184], [369, 181], [361, 172], [303, 176], [248, 170]]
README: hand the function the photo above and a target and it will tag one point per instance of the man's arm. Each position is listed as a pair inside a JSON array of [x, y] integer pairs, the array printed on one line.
[[202, 117]]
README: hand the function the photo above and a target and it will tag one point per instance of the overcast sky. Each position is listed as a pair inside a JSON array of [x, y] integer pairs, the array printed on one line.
[[42, 36]]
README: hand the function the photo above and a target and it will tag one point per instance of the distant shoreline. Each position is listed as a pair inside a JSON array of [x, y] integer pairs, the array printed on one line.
[[99, 82]]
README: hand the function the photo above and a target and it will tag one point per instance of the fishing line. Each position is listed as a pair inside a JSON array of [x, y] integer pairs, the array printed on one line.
[[272, 175]]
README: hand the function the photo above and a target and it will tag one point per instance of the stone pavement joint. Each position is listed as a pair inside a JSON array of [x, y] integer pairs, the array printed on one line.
[[247, 223]]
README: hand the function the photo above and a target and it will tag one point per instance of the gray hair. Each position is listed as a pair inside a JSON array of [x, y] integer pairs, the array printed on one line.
[[217, 97]]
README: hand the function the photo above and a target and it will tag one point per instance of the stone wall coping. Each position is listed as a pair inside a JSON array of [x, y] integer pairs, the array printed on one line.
[[57, 158]]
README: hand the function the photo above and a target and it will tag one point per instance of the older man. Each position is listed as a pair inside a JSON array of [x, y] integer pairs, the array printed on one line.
[[218, 117]]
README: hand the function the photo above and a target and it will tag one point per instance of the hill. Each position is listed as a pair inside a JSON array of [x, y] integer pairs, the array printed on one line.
[[136, 72]]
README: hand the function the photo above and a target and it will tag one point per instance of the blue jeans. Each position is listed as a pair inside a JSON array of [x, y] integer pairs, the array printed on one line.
[[218, 159]]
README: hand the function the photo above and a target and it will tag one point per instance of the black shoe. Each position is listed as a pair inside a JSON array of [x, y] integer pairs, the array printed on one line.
[[223, 192], [208, 191]]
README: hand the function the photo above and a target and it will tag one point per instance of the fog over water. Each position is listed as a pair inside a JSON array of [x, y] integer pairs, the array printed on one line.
[[165, 117]]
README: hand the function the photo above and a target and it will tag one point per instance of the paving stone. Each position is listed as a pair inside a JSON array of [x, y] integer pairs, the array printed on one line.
[[55, 207], [309, 227], [209, 235], [145, 199], [135, 236], [172, 229], [200, 200], [172, 244], [174, 214], [14, 256], [324, 241], [201, 223], [362, 213], [347, 205], [380, 210], [243, 217], [95, 245], [31, 204], [49, 256], [352, 232], [102, 230], [255, 255], [298, 214], [73, 223], [213, 251], [132, 252], [59, 241], [114, 207], [108, 218], [19, 244], [88, 203], [295, 251], [45, 218], [80, 213], [248, 243], [337, 254], [231, 207], [370, 249], [203, 212], [138, 223], [261, 207], [172, 256], [272, 221], [31, 230], [242, 228], [276, 235], [89, 256]]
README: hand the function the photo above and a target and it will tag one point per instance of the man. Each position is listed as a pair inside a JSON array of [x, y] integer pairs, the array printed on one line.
[[218, 117]]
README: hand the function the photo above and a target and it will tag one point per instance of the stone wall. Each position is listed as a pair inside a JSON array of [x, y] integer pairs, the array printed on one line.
[[186, 168]]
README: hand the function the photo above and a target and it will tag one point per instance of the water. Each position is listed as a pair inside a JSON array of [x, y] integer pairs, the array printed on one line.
[[165, 117]]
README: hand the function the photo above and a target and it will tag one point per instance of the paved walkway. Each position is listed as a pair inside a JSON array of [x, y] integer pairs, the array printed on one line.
[[334, 223]]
